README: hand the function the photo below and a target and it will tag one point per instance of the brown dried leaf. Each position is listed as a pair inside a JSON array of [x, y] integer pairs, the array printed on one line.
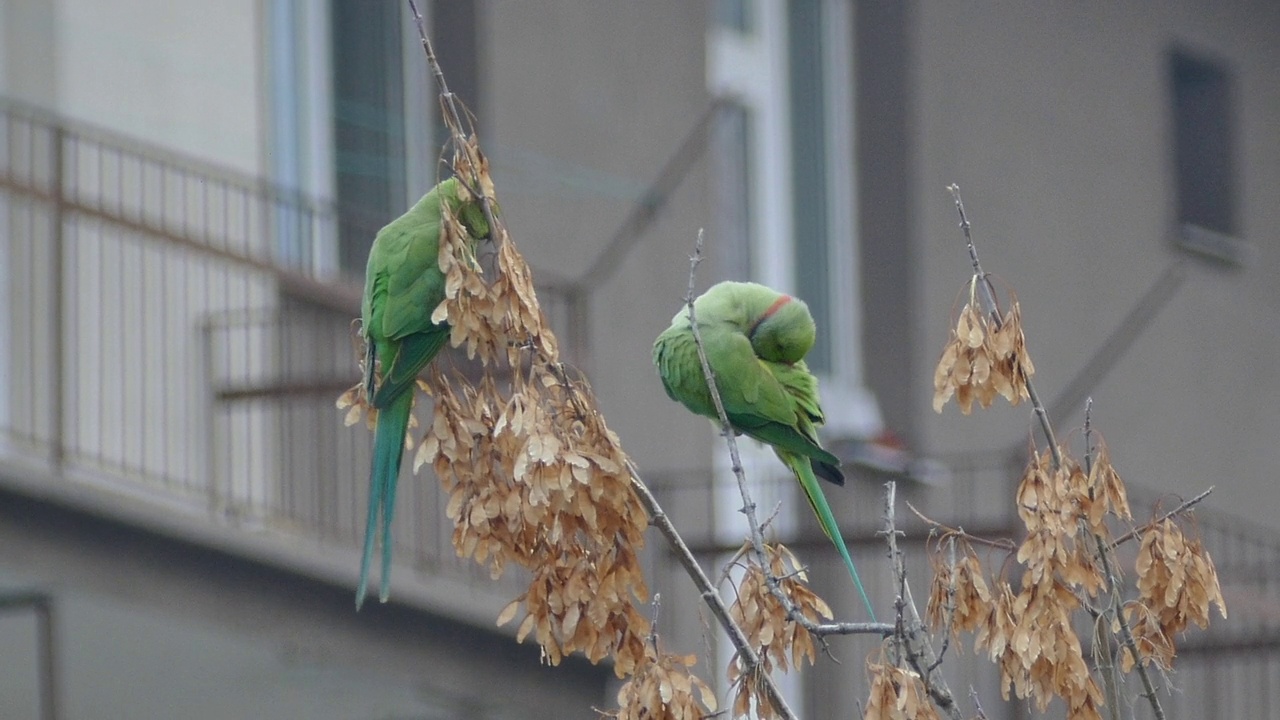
[[896, 693]]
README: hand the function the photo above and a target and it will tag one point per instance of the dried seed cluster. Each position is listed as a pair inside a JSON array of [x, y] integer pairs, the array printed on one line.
[[1030, 633], [1066, 557], [764, 619], [984, 357], [540, 481], [533, 474], [959, 596], [662, 688], [780, 641], [896, 694], [1052, 503], [1030, 637], [1177, 584]]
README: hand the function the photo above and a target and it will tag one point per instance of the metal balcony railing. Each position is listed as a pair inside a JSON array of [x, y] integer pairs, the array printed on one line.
[[172, 340]]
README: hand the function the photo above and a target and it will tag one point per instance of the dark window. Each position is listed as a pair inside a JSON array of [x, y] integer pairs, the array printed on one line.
[[809, 171], [371, 152], [368, 122], [731, 153], [1203, 121], [454, 37]]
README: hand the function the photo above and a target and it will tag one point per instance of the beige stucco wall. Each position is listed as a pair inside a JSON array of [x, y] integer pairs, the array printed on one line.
[[586, 102], [1055, 121], [182, 74]]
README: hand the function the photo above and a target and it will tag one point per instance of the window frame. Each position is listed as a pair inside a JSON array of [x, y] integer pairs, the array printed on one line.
[[1204, 132], [301, 156], [751, 69]]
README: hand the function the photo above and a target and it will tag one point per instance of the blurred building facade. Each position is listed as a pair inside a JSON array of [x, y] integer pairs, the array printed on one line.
[[187, 195]]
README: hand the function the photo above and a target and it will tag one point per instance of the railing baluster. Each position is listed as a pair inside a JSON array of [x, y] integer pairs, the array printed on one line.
[[58, 288]]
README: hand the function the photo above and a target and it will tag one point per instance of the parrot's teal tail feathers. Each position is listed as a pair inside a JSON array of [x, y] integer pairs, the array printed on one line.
[[853, 573], [803, 469], [388, 510], [370, 530], [388, 448]]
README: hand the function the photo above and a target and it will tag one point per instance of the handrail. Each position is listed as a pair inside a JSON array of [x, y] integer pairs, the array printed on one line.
[[104, 176], [154, 357]]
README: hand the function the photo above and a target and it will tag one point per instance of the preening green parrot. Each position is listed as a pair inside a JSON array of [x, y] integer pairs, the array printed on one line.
[[403, 285], [755, 339]]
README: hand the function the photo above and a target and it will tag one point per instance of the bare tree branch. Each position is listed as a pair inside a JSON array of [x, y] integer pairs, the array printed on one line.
[[1114, 588], [998, 543], [452, 116], [909, 630], [1103, 549], [992, 309], [757, 537], [1185, 506]]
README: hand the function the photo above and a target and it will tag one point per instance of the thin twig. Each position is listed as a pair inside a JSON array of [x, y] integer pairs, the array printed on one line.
[[453, 119], [899, 571], [992, 309], [1105, 662], [1172, 513], [998, 543], [911, 635], [1114, 588], [748, 506], [1117, 607], [977, 703], [777, 508], [1101, 644], [658, 518], [446, 97], [757, 537], [655, 606], [951, 604]]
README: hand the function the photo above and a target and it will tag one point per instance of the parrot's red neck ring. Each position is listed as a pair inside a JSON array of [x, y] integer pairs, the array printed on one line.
[[782, 300]]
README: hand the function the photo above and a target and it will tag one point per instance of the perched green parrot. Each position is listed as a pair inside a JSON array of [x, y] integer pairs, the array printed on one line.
[[403, 285], [755, 340]]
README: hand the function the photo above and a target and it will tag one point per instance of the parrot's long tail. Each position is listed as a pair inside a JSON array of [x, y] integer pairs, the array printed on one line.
[[803, 470], [388, 447]]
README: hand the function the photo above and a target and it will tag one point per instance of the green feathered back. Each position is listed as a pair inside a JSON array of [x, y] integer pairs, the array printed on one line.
[[404, 284]]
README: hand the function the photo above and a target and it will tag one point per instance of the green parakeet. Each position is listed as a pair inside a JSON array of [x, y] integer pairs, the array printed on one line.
[[755, 339], [403, 285]]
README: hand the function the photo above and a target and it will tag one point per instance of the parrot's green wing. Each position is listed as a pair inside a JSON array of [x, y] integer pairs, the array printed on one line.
[[757, 400], [774, 403], [412, 355], [676, 357], [802, 386], [403, 282]]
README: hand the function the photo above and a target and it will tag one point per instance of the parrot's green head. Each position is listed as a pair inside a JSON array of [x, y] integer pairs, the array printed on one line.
[[472, 216], [783, 331], [469, 210]]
